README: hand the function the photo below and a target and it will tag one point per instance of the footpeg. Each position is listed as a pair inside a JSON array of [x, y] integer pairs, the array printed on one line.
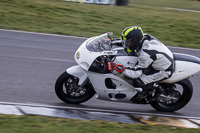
[[139, 89]]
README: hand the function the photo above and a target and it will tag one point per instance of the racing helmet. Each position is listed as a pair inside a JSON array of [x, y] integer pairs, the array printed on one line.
[[132, 38]]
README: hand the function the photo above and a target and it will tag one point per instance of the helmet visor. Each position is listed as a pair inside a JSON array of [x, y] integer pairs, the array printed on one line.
[[129, 43]]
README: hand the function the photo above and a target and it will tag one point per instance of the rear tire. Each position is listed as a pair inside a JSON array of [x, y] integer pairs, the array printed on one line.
[[66, 89], [181, 102]]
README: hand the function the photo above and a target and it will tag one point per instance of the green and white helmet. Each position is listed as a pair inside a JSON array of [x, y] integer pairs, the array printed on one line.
[[132, 38]]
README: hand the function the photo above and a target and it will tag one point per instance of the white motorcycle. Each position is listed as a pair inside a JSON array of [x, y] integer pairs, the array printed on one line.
[[79, 83]]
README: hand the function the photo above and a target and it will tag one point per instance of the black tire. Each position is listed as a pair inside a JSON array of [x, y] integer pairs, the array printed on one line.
[[181, 102], [64, 89]]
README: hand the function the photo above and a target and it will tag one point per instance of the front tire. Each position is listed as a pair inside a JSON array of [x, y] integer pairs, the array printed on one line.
[[66, 89], [185, 97]]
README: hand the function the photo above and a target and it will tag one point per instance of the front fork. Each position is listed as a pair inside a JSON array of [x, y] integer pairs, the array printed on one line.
[[78, 72]]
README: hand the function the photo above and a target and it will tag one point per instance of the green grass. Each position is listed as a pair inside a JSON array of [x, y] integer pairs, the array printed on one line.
[[39, 124], [185, 4], [175, 28]]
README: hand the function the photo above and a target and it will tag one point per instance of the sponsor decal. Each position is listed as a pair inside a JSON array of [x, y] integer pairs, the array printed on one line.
[[77, 55]]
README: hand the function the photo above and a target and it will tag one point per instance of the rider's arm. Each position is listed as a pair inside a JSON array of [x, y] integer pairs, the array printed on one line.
[[132, 74], [144, 61]]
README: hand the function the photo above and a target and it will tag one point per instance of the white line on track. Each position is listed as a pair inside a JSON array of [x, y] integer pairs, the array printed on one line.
[[46, 34], [36, 58], [39, 48], [94, 109]]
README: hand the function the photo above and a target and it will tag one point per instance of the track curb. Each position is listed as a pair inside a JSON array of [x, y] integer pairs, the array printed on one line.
[[98, 114]]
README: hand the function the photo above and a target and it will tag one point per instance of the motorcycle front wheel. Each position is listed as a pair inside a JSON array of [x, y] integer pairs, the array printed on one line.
[[185, 92], [68, 90]]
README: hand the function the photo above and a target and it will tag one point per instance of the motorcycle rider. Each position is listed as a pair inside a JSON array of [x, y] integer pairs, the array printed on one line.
[[155, 60]]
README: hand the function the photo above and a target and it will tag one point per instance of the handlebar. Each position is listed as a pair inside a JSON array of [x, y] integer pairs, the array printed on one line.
[[117, 42]]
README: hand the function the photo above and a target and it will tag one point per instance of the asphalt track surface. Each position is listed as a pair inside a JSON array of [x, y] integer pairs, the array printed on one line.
[[31, 63]]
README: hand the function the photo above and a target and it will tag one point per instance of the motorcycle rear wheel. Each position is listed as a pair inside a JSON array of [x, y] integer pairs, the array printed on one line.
[[66, 89], [187, 91]]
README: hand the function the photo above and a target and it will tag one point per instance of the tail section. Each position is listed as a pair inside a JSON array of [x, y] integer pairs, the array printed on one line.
[[185, 66]]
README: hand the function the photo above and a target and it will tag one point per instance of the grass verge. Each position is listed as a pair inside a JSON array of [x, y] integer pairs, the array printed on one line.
[[39, 124]]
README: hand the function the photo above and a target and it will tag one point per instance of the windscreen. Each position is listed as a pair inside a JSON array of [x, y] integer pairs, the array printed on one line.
[[100, 43]]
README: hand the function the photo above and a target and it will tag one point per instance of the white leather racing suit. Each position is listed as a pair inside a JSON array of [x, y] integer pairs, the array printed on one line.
[[155, 62]]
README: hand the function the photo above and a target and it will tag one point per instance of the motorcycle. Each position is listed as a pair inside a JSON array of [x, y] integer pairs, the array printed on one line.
[[91, 76]]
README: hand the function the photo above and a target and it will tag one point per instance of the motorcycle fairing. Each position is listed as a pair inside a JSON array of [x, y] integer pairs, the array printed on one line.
[[185, 66], [121, 91]]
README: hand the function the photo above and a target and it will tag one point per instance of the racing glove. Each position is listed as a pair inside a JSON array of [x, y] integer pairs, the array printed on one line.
[[118, 67]]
